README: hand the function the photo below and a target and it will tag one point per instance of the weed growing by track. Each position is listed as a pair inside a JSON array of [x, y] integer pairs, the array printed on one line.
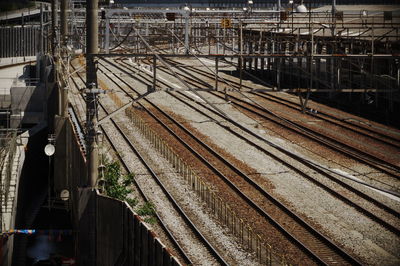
[[118, 186]]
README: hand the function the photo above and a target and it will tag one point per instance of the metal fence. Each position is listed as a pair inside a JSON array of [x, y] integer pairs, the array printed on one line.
[[19, 41], [253, 241]]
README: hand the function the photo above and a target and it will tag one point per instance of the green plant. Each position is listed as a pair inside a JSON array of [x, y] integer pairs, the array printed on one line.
[[112, 186], [128, 179], [116, 186], [132, 202], [150, 220], [147, 209]]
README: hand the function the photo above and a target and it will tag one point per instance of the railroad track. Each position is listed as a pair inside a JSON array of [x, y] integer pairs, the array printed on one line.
[[331, 177], [345, 123], [201, 238], [343, 195], [338, 146], [322, 245], [375, 133], [330, 142], [353, 190]]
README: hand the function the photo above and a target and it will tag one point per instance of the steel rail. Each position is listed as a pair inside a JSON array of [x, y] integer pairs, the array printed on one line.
[[334, 120], [335, 193], [293, 104], [377, 203], [359, 193], [264, 95], [191, 225], [296, 218], [364, 157], [336, 145], [140, 189]]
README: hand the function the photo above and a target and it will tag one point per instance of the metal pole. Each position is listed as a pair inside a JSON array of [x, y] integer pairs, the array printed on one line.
[[216, 73], [53, 25], [187, 32], [333, 17], [64, 33], [91, 93], [63, 24], [41, 42], [154, 72], [107, 39], [333, 7], [241, 55], [217, 38]]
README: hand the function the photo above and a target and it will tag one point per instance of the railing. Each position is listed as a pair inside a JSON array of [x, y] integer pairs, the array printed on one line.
[[251, 240]]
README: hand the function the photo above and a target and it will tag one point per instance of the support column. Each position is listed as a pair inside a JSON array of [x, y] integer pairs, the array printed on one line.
[[154, 72], [53, 25], [216, 38], [216, 73], [63, 22], [91, 93], [187, 33], [241, 63], [64, 54], [107, 35], [41, 39]]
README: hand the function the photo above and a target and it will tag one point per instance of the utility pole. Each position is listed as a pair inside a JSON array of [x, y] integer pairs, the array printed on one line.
[[107, 34], [41, 42], [63, 22], [53, 26], [333, 7], [54, 37], [333, 17], [64, 55], [187, 14], [91, 91], [333, 31]]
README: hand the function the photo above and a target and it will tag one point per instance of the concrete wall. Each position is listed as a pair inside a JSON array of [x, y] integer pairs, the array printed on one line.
[[27, 105]]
